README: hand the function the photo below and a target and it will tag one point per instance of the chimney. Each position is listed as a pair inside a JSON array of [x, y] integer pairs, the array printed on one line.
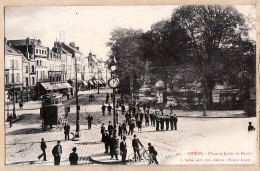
[[72, 44], [77, 48]]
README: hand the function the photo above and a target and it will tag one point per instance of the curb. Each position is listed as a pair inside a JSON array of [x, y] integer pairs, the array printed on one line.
[[116, 162]]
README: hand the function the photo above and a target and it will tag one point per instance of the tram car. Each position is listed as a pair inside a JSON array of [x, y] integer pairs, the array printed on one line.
[[52, 111]]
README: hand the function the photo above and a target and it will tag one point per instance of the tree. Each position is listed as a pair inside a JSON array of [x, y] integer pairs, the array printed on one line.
[[212, 29], [125, 46]]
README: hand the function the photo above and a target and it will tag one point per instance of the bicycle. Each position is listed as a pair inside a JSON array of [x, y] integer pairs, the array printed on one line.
[[143, 153]]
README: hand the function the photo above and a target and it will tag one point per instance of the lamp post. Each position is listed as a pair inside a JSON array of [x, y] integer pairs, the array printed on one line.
[[14, 114], [77, 135], [98, 82]]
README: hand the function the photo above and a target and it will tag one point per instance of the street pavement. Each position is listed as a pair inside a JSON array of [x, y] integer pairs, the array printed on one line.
[[193, 134]]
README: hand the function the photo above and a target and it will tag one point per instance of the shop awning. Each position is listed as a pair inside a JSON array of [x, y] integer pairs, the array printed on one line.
[[100, 82], [90, 82], [95, 81], [47, 86], [85, 83], [66, 85]]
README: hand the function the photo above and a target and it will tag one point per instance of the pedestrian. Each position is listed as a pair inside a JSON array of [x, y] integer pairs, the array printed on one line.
[[90, 119], [116, 117], [123, 150], [175, 120], [10, 120], [141, 117], [67, 131], [134, 109], [106, 141], [157, 124], [56, 152], [154, 118], [112, 145], [136, 117], [135, 145], [146, 116], [162, 123], [124, 130], [148, 106], [167, 121], [171, 121], [107, 97], [109, 108], [110, 128], [102, 131], [144, 107], [103, 108], [131, 127], [73, 157], [153, 153], [251, 127], [127, 118], [120, 132], [21, 105], [151, 117], [123, 109], [43, 148], [171, 107], [139, 125]]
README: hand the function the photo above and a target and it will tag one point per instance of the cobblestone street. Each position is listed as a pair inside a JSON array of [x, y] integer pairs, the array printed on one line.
[[23, 139]]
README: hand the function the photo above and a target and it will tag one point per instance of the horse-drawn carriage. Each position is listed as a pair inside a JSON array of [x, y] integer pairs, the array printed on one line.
[[53, 111]]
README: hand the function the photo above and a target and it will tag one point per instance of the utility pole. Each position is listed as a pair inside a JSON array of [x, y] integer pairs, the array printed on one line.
[[77, 100], [14, 114], [106, 79]]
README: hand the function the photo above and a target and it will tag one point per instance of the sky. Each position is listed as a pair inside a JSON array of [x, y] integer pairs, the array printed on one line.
[[88, 26]]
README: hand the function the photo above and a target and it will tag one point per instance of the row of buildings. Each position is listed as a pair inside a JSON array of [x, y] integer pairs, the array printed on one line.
[[32, 69]]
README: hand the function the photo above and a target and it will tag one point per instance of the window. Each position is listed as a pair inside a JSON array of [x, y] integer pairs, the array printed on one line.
[[27, 81], [40, 63], [37, 63], [33, 81], [32, 69], [42, 51], [17, 77], [26, 69], [37, 75], [36, 50]]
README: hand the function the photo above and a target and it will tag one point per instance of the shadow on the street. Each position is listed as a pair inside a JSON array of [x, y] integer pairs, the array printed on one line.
[[26, 131], [89, 143]]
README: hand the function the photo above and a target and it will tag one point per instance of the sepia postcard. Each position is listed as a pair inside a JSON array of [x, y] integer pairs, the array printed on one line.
[[132, 85]]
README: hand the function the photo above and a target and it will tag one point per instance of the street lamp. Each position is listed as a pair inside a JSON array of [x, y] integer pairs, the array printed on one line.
[[14, 114]]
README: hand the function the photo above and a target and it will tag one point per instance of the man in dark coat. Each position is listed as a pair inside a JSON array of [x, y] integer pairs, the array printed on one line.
[[135, 144], [146, 116], [73, 157], [123, 149], [167, 121], [102, 131], [56, 152], [124, 130], [175, 120], [90, 119], [127, 118], [106, 140], [141, 117], [123, 109], [109, 109], [134, 110], [157, 124], [112, 144], [162, 123], [153, 152], [151, 117], [120, 132], [110, 128], [103, 108], [43, 148], [67, 131], [171, 121]]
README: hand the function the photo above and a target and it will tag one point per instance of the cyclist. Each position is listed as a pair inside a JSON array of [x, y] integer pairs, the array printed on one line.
[[135, 144], [153, 153]]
